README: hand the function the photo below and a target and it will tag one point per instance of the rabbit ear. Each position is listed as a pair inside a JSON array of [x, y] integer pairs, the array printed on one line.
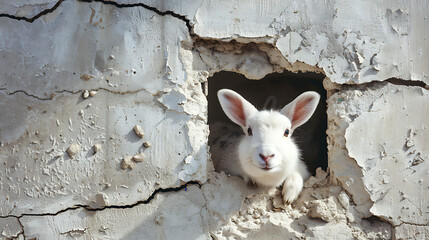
[[235, 106], [301, 109]]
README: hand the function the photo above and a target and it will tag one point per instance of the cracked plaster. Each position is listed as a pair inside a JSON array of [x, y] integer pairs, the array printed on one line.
[[143, 57], [394, 153], [347, 52], [27, 10]]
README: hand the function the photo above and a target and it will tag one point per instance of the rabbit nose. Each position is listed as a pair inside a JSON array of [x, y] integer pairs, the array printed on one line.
[[266, 158]]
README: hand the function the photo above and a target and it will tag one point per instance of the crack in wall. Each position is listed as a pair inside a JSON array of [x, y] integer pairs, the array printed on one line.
[[88, 208], [35, 17], [119, 5], [22, 228], [53, 94], [161, 13], [412, 224], [334, 87], [31, 95], [42, 214], [147, 201], [409, 83]]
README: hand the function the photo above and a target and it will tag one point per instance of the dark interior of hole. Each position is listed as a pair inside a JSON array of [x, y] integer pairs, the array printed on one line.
[[284, 87]]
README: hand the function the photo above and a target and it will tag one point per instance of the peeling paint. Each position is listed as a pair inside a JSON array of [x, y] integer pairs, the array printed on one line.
[[389, 153], [190, 166]]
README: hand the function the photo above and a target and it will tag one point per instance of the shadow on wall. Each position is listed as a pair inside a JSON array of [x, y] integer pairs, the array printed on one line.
[[283, 88]]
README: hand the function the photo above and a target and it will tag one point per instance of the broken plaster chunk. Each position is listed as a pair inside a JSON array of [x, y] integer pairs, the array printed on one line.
[[101, 200], [92, 93], [139, 131], [85, 94], [73, 150], [97, 147], [86, 77], [139, 157], [321, 174], [344, 200], [324, 209], [147, 144], [310, 182], [190, 166], [127, 163], [417, 160], [409, 143]]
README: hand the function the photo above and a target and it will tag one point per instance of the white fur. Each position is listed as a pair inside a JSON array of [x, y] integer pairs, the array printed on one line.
[[268, 128]]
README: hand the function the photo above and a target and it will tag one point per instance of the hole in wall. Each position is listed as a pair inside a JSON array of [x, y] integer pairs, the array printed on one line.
[[282, 88]]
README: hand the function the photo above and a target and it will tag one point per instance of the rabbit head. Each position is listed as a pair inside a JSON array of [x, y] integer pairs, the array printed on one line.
[[267, 153]]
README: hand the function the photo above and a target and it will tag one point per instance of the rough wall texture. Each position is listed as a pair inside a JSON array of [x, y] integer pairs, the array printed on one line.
[[77, 76]]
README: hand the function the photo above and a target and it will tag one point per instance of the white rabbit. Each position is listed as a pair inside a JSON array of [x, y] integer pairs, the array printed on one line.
[[267, 155]]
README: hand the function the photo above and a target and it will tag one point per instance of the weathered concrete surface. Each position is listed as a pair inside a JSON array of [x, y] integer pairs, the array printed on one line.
[[375, 125], [149, 62], [44, 110], [157, 220], [89, 47], [38, 170], [382, 130], [406, 231], [389, 142], [353, 42], [217, 210]]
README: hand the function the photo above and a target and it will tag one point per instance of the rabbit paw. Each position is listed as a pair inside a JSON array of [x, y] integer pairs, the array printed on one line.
[[292, 187]]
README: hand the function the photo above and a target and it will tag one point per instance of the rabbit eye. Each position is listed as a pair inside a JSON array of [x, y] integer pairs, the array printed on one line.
[[286, 132], [249, 131]]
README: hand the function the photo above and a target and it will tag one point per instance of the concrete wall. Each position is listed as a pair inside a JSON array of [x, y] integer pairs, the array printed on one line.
[[83, 74]]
